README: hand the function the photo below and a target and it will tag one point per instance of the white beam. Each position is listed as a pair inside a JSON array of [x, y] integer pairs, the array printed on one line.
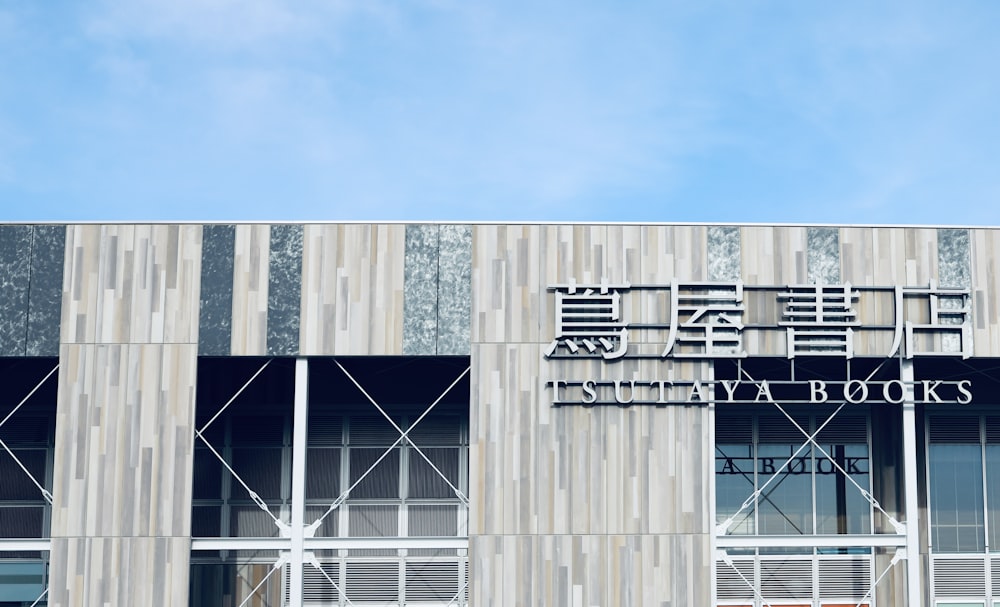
[[24, 545], [881, 540], [914, 589], [280, 543], [300, 429]]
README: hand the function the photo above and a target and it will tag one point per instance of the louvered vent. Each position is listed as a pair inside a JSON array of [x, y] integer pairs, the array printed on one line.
[[786, 580], [373, 520], [959, 577], [258, 430], [316, 589], [774, 429], [326, 430], [733, 429], [373, 582], [954, 429], [844, 429], [322, 473], [437, 431], [372, 430], [992, 429], [432, 520], [729, 585], [251, 521], [844, 579], [383, 480], [23, 429], [431, 581]]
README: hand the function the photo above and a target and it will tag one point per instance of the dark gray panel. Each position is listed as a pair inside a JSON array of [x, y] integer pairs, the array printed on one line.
[[824, 256], [48, 253], [215, 323], [284, 295], [454, 289], [724, 253], [953, 259], [15, 255], [420, 290]]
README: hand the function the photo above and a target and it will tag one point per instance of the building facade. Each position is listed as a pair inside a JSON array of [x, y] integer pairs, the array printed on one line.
[[492, 414]]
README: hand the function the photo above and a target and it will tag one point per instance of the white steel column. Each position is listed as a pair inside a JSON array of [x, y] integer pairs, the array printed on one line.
[[299, 437], [914, 588], [713, 521]]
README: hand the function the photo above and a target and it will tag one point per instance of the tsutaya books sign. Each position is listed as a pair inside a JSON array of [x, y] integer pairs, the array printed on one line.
[[723, 320]]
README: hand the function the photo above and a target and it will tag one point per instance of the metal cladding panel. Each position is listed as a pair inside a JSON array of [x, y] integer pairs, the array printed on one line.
[[215, 318], [31, 273], [436, 295]]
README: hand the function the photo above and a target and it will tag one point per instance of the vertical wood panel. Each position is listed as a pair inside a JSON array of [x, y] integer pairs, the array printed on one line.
[[120, 571], [252, 249], [507, 289], [548, 484], [353, 289], [124, 422], [127, 284], [123, 440], [985, 249], [577, 253], [920, 255]]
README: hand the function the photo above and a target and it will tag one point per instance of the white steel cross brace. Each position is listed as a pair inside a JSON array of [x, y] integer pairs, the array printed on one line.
[[45, 492], [403, 436], [199, 433], [899, 527], [282, 559], [312, 560]]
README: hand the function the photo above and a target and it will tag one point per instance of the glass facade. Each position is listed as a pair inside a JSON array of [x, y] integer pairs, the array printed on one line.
[[793, 487]]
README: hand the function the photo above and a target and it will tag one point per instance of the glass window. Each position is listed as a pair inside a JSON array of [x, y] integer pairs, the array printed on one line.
[[840, 507], [956, 497], [785, 503], [803, 490], [734, 482], [993, 494]]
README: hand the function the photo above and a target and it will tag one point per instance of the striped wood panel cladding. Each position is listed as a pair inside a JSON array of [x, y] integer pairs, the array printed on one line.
[[99, 571], [251, 255], [131, 284], [124, 429], [985, 251], [539, 469], [352, 293], [609, 570]]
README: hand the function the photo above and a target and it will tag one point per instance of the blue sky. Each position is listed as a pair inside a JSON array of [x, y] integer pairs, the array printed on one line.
[[840, 112]]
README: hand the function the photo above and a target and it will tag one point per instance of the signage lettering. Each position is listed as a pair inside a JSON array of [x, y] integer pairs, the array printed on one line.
[[661, 392], [796, 466]]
